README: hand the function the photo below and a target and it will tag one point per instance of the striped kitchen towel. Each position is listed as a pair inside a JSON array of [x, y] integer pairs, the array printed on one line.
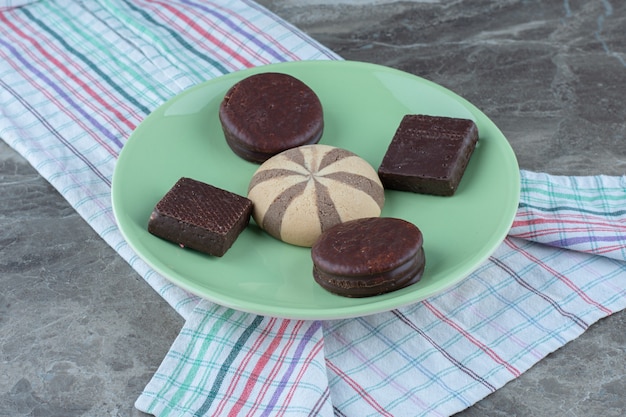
[[76, 78], [561, 269]]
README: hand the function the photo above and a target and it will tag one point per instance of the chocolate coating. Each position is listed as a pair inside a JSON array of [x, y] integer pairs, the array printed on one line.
[[267, 113], [200, 216], [428, 154], [369, 256]]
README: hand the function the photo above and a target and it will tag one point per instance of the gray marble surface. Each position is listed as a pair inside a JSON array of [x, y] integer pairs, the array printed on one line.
[[81, 333]]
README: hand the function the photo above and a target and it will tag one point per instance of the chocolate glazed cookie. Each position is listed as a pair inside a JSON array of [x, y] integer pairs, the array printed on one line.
[[267, 113], [369, 256]]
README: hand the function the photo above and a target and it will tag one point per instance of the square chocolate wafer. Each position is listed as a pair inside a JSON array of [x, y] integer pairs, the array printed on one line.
[[428, 154], [200, 216]]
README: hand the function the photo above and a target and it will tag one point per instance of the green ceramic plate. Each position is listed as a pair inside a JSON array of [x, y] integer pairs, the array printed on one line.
[[363, 104]]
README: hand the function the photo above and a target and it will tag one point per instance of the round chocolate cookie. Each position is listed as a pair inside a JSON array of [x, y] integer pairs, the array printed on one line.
[[368, 257], [301, 192], [267, 113]]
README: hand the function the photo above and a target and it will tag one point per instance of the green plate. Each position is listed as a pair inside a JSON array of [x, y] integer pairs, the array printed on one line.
[[363, 105]]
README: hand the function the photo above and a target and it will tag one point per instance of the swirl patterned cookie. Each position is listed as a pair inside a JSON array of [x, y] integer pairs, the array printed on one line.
[[303, 191]]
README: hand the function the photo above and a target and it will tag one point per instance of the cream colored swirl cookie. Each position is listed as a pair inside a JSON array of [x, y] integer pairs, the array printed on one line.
[[303, 191]]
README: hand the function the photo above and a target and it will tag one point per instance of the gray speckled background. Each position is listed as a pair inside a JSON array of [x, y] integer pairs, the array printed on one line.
[[81, 333]]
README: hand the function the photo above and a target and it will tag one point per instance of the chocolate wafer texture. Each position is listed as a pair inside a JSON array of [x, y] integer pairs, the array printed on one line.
[[301, 192], [428, 154], [200, 216]]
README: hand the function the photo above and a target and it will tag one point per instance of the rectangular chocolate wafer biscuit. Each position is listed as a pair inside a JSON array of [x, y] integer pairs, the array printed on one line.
[[428, 154], [200, 216]]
